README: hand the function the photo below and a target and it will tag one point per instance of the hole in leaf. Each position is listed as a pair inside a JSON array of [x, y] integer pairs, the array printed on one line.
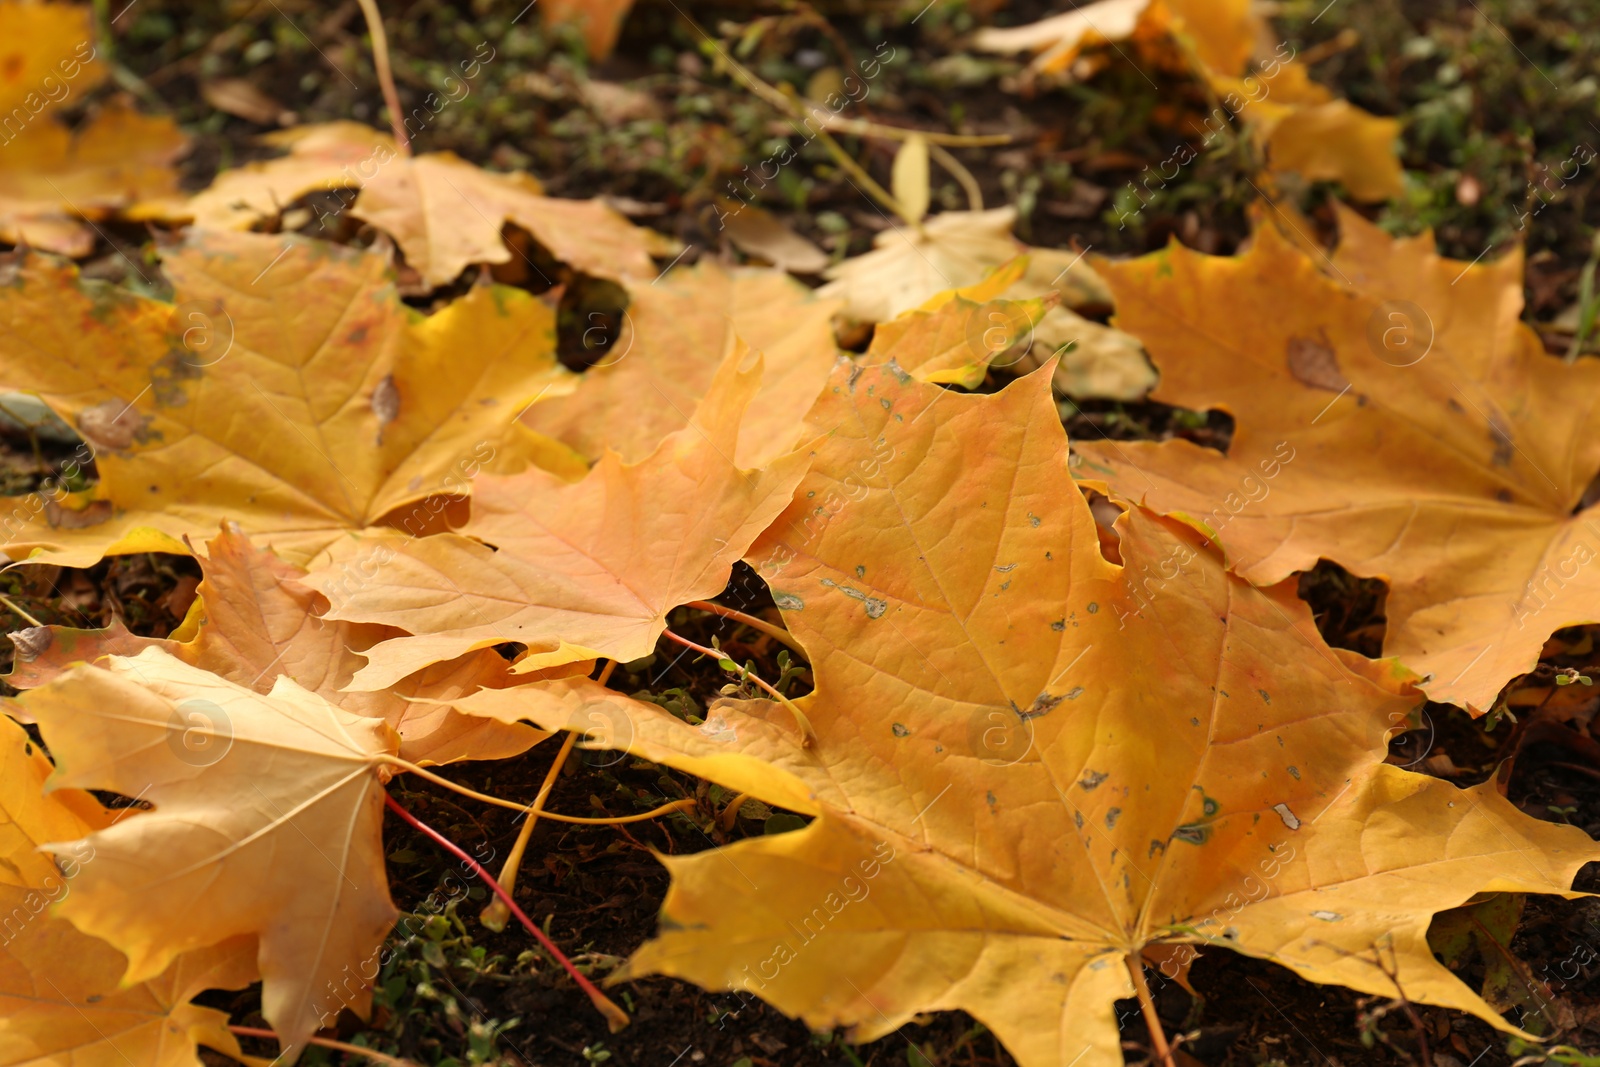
[[1349, 611]]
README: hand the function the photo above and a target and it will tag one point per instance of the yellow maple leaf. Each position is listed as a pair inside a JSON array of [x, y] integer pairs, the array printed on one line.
[[1394, 416], [271, 828], [61, 1004], [677, 331], [578, 570], [287, 389], [253, 622], [1031, 765], [444, 212]]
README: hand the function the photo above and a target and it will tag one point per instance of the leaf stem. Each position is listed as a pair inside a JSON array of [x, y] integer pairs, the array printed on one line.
[[380, 62], [18, 611], [1161, 1052], [615, 1016], [326, 1042], [776, 632], [960, 173], [730, 814], [807, 734], [496, 915], [534, 808]]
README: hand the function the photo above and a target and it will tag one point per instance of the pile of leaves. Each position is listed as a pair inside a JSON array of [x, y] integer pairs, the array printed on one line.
[[1034, 721]]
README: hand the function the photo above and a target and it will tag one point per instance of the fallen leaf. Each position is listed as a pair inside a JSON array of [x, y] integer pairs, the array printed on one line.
[[1451, 463], [675, 335], [52, 179], [255, 623], [953, 339], [288, 389], [579, 570], [267, 821], [1484, 929], [60, 999], [1031, 764], [1304, 129], [599, 21], [953, 250], [760, 233], [444, 213]]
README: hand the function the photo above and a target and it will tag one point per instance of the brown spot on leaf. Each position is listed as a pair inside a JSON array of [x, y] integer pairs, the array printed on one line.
[[1313, 363], [112, 424]]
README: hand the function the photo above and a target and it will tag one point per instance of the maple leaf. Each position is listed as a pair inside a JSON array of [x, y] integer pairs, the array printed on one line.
[[905, 268], [1393, 416], [578, 570], [1031, 764], [288, 389], [52, 179], [60, 1000], [675, 334], [1301, 126], [272, 828], [253, 622], [444, 212]]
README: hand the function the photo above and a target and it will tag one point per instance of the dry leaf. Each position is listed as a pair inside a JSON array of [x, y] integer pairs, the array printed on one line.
[[760, 233], [267, 821], [444, 213], [676, 333], [288, 390], [51, 178], [60, 1000], [1031, 764], [954, 250], [1304, 129], [1394, 416], [580, 570], [953, 339], [909, 180], [255, 622], [599, 21]]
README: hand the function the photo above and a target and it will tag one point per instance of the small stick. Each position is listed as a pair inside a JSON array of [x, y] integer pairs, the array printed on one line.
[[806, 733], [615, 1016], [762, 625], [326, 1042], [961, 174], [1158, 1040], [380, 61]]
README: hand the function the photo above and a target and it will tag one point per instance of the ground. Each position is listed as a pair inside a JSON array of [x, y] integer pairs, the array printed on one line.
[[1495, 95]]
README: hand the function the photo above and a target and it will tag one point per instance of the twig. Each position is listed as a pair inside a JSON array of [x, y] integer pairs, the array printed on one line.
[[380, 62], [326, 1042], [615, 1016], [960, 173], [806, 733], [1158, 1040], [777, 632]]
